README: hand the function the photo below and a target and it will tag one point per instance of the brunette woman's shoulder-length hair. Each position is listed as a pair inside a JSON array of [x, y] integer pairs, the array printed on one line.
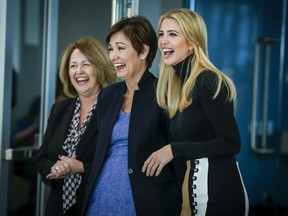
[[139, 31]]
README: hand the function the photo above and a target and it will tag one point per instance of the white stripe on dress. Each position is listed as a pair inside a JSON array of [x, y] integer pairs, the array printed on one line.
[[245, 193], [201, 184]]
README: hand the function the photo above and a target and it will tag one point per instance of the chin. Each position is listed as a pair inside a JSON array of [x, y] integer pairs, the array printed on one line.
[[121, 77], [169, 62]]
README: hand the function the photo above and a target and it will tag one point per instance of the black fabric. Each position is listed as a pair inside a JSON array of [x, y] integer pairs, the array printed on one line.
[[152, 195], [57, 128], [72, 182], [182, 69], [207, 129]]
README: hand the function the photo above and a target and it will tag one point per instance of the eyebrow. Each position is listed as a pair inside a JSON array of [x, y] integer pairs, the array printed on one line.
[[80, 62], [169, 31], [118, 43], [172, 31]]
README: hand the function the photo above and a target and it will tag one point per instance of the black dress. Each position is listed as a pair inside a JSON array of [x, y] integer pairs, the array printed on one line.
[[206, 134]]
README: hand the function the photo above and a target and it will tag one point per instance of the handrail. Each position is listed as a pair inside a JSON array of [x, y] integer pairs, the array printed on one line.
[[263, 149], [24, 153]]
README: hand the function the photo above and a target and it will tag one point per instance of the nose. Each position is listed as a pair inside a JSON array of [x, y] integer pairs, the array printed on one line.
[[113, 55], [79, 69], [163, 40]]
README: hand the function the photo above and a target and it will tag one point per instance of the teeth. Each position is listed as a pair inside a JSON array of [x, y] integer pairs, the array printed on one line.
[[167, 50], [81, 79], [117, 65]]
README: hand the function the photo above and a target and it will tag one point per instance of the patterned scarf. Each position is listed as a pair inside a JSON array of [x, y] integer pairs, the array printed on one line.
[[72, 182]]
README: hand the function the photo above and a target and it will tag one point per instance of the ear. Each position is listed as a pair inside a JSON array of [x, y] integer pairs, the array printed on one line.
[[145, 52], [190, 48]]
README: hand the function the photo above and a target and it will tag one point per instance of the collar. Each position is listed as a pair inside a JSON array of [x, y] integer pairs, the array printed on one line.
[[182, 69], [145, 77]]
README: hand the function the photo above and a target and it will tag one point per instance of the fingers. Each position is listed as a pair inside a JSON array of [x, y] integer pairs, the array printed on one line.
[[59, 167], [59, 170], [160, 167], [152, 166], [49, 176], [56, 170], [53, 176], [62, 167], [157, 160], [152, 170], [146, 164]]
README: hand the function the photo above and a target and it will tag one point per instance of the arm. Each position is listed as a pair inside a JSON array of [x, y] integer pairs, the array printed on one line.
[[81, 161], [220, 114], [65, 166], [43, 159]]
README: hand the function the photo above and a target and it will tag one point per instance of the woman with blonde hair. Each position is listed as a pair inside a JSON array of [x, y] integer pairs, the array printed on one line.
[[199, 100]]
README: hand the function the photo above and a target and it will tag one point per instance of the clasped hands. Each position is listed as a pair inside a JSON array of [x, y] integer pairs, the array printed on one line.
[[153, 165], [157, 160], [65, 166]]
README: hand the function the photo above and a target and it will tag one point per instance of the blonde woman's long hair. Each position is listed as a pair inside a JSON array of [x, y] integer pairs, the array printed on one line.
[[172, 94]]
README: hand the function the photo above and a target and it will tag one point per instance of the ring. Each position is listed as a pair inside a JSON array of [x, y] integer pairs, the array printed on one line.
[[57, 168]]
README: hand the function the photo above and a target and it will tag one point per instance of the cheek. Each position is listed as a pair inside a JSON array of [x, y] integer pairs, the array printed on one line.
[[184, 48], [93, 76], [110, 56], [159, 43], [70, 74]]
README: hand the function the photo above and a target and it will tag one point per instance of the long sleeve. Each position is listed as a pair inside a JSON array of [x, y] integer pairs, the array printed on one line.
[[44, 160], [207, 128]]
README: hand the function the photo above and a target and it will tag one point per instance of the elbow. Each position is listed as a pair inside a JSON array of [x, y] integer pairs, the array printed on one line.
[[236, 147]]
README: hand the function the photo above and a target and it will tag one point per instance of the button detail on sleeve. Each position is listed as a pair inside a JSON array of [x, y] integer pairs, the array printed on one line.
[[130, 171]]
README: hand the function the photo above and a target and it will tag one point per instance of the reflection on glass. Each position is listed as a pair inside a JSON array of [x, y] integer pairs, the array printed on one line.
[[123, 8], [25, 107]]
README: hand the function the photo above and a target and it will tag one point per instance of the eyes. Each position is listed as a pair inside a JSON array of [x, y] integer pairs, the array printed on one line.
[[169, 33], [118, 48], [84, 64]]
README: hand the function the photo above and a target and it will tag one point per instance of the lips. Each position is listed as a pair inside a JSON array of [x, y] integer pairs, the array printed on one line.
[[119, 66], [80, 80], [167, 52]]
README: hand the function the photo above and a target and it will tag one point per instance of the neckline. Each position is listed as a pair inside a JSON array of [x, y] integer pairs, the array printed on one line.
[[126, 114]]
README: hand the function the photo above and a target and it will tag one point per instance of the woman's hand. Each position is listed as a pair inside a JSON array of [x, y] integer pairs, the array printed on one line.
[[59, 170], [65, 166], [157, 160], [75, 165]]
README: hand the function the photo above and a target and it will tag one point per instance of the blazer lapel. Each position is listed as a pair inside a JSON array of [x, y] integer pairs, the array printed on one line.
[[89, 135], [112, 115], [106, 125], [66, 115]]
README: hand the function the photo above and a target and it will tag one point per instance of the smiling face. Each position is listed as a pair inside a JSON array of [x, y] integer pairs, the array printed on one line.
[[82, 74], [172, 43], [127, 62]]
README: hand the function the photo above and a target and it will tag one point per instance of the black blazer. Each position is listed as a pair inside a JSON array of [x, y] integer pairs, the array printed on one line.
[[152, 195], [58, 124]]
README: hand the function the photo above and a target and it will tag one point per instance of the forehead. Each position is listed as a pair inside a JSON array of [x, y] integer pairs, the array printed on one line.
[[170, 24], [77, 54], [119, 37]]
